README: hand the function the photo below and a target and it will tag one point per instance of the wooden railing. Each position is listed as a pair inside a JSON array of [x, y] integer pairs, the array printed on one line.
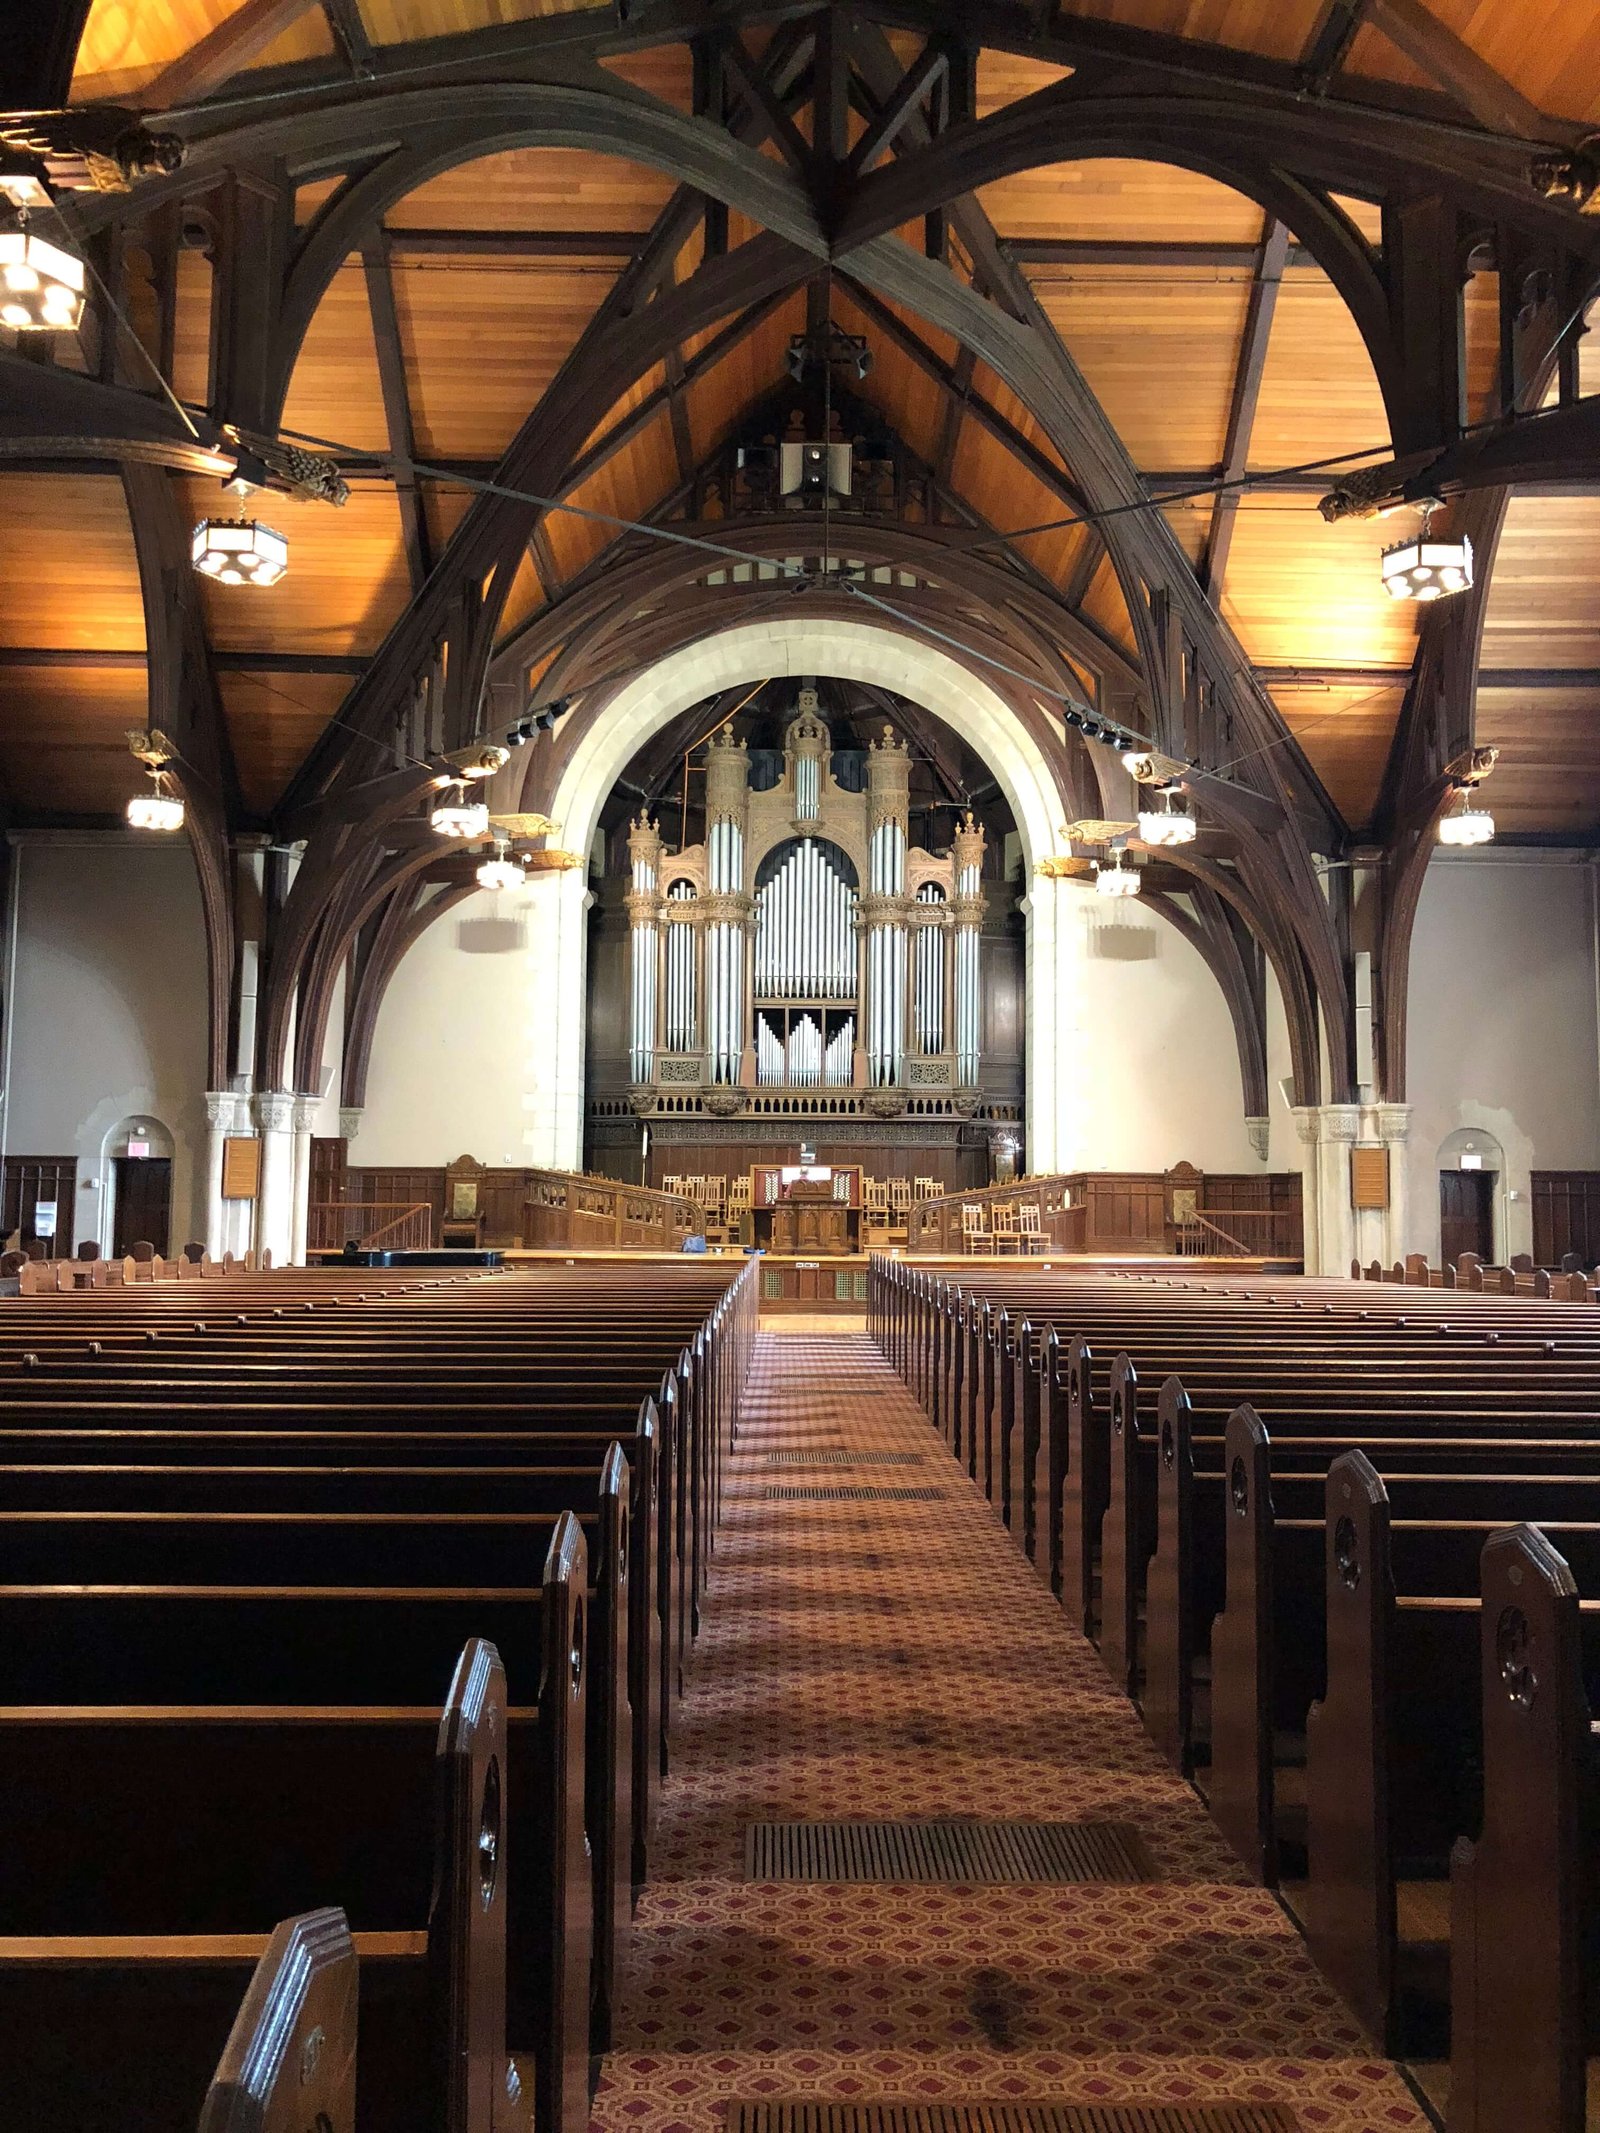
[[568, 1210], [1241, 1233], [935, 1225], [376, 1225], [1118, 1213]]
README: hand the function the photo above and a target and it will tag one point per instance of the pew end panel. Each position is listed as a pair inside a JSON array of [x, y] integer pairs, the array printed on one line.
[[1523, 1892], [1241, 1791], [1123, 1532], [549, 1959], [1350, 1900], [480, 2086], [1171, 1630], [290, 2058]]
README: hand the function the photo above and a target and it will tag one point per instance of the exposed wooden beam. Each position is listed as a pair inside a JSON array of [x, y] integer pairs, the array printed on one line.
[[1329, 44], [678, 414], [349, 33], [914, 85], [751, 80], [95, 660], [520, 244], [222, 52], [1138, 252], [1259, 311], [396, 392], [545, 563], [1446, 59], [1039, 463]]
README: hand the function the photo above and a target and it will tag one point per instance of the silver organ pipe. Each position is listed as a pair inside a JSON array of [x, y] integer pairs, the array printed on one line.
[[930, 977], [680, 1003]]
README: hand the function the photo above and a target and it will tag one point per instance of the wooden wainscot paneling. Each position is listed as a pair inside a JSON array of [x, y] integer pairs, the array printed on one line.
[[241, 1167]]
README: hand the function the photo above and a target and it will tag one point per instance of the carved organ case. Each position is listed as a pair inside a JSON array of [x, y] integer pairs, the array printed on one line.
[[806, 944]]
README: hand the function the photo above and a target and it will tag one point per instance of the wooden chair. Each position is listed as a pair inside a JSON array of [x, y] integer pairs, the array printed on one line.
[[976, 1235], [929, 1189], [1004, 1233], [1031, 1228]]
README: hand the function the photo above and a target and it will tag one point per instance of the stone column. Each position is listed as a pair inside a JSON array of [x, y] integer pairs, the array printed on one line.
[[226, 1114], [644, 906], [1307, 1123], [303, 1119], [966, 912], [274, 1224], [1394, 1130], [1341, 1123]]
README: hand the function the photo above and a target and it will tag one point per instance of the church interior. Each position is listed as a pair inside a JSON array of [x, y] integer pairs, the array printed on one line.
[[799, 1066]]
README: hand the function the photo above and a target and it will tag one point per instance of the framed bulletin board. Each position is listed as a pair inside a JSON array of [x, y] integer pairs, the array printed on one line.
[[1369, 1177], [241, 1167]]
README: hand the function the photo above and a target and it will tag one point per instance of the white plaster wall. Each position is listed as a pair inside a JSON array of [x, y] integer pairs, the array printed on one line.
[[107, 1012], [1502, 1031], [458, 1055], [1149, 1070]]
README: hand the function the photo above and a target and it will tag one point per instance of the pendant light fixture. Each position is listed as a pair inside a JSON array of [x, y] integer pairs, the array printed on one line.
[[1114, 876], [1169, 823], [161, 807], [1426, 568], [239, 551], [41, 286], [501, 871], [1466, 824], [456, 815]]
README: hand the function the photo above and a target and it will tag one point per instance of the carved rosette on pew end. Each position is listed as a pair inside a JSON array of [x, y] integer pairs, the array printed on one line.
[[806, 947]]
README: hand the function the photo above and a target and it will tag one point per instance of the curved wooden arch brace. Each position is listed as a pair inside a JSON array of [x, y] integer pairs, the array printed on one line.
[[588, 603], [539, 783], [183, 703]]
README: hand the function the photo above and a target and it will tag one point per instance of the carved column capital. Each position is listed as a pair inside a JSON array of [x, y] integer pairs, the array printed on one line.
[[274, 1110], [1307, 1123], [1341, 1122], [350, 1117], [1394, 1122], [1259, 1132], [303, 1113], [226, 1111]]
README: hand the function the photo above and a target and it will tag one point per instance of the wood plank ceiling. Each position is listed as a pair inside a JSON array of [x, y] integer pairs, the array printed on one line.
[[1212, 342]]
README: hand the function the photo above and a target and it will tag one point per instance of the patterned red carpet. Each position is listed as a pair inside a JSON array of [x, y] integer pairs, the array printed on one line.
[[902, 1659]]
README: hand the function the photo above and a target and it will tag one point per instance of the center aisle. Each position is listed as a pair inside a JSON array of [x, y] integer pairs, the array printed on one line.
[[899, 1658]]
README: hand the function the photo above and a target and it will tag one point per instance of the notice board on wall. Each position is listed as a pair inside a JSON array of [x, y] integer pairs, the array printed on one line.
[[241, 1167], [1369, 1177]]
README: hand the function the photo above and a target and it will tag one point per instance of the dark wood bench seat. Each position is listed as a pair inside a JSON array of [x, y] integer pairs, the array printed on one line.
[[109, 2020]]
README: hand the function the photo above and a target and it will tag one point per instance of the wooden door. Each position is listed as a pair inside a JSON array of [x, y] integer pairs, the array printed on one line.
[[1466, 1214], [143, 1210], [32, 1181]]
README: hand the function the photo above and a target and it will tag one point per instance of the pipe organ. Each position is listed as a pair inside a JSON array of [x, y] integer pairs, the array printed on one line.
[[806, 944]]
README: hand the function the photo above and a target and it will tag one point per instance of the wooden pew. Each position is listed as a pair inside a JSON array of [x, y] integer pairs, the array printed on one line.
[[307, 1567], [113, 2021], [1524, 1915], [1391, 1748]]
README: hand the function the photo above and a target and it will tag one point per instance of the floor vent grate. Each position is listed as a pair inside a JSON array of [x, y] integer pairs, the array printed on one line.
[[816, 2115], [945, 1851], [781, 1493], [843, 1458]]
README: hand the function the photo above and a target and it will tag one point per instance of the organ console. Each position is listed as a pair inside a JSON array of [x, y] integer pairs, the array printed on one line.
[[805, 944]]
